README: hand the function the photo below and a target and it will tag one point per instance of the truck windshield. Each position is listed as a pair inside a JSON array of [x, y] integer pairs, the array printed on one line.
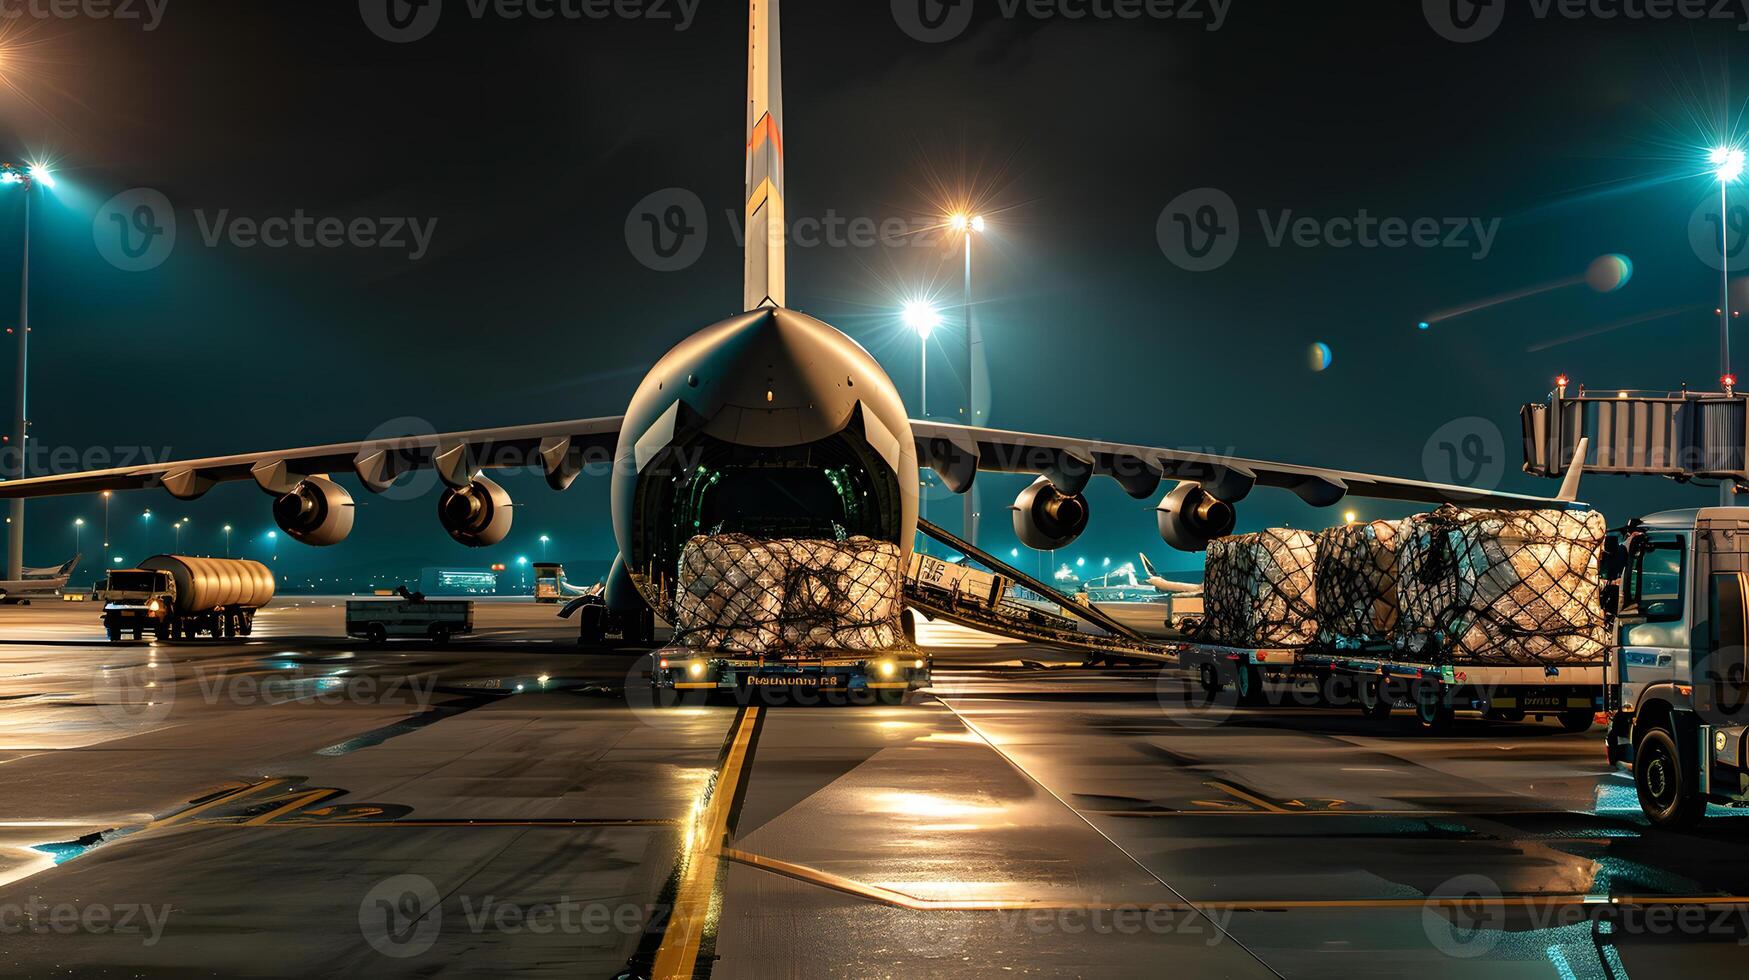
[[1657, 579], [133, 581]]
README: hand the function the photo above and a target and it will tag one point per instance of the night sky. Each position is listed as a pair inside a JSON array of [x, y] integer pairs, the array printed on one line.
[[528, 142]]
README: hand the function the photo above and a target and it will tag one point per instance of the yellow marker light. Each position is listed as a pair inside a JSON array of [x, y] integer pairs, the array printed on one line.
[[917, 664], [887, 667], [695, 668]]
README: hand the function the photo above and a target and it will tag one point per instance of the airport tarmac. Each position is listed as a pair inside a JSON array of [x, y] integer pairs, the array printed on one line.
[[299, 804]]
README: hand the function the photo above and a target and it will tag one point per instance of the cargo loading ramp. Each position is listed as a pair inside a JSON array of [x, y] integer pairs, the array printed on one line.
[[982, 600]]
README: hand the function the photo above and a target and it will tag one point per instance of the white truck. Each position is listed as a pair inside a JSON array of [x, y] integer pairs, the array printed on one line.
[[1680, 706]]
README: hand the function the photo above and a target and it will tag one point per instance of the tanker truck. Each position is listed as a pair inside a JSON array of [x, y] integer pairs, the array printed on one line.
[[179, 597]]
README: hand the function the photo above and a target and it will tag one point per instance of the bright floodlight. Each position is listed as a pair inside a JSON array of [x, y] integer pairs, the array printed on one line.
[[10, 176], [1727, 163], [978, 224], [958, 221], [41, 174], [922, 317]]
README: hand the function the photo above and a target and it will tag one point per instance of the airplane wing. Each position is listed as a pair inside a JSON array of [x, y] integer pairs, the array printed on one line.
[[558, 449], [958, 452]]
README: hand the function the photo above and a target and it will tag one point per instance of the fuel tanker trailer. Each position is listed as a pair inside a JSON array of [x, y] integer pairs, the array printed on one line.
[[181, 597]]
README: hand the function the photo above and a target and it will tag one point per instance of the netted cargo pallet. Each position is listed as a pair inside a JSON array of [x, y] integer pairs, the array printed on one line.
[[1258, 590], [739, 594], [1502, 588], [1355, 582]]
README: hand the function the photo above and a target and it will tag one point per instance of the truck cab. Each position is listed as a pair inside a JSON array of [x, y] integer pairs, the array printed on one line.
[[1678, 701], [136, 600]]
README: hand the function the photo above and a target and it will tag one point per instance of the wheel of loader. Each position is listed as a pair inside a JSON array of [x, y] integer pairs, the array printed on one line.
[[114, 634], [1375, 697], [376, 634], [1248, 680], [1209, 681], [1432, 710], [1577, 719]]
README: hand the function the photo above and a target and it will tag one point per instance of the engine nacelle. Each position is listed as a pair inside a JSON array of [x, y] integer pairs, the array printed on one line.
[[317, 512], [1045, 518], [1190, 517], [477, 515]]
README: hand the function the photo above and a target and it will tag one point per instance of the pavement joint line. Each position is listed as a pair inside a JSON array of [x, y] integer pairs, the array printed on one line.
[[703, 845], [1145, 869], [897, 899]]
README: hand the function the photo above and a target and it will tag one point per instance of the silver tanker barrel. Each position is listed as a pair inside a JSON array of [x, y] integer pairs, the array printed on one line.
[[214, 595]]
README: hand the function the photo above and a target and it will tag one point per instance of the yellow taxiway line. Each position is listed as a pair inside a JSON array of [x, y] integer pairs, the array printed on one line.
[[704, 846]]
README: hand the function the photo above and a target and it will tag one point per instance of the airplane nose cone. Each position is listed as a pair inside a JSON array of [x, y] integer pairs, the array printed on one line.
[[773, 377]]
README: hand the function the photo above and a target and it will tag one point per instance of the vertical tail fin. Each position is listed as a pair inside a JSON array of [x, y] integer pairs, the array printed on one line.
[[764, 279]]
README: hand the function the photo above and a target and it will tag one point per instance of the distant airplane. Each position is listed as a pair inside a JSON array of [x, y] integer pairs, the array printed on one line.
[[770, 423], [1165, 585], [37, 582]]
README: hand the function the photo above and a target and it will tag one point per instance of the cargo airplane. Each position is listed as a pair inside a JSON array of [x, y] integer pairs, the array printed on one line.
[[770, 422]]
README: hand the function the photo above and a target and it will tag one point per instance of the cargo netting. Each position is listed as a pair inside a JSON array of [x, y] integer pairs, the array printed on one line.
[[1258, 591], [1356, 583], [787, 597], [1502, 588]]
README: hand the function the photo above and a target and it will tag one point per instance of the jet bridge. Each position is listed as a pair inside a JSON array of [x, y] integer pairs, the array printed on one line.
[[1684, 435]]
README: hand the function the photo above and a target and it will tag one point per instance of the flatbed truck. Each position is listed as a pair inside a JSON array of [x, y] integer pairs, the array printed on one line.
[[1380, 683]]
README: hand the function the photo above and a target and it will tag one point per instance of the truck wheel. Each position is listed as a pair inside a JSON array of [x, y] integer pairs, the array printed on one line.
[[248, 625], [114, 634], [1578, 720], [1250, 686], [1431, 710], [908, 625], [1667, 792], [1375, 699], [1209, 681], [439, 634], [376, 635]]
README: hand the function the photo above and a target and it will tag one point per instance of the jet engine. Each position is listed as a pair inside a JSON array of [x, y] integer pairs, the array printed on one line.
[[316, 512], [1046, 518], [1190, 517], [477, 515]]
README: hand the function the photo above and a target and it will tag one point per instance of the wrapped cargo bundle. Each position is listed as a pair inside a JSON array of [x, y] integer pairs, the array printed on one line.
[[1258, 591], [1502, 588], [788, 596], [1356, 582], [730, 593]]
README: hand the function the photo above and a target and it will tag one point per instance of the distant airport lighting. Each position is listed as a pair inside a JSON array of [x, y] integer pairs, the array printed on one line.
[[46, 177], [1560, 381], [1350, 517], [1080, 562], [1727, 163], [922, 317], [1729, 381]]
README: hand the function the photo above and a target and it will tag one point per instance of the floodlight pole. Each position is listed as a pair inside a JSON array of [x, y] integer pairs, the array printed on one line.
[[1727, 489], [970, 515], [21, 432]]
